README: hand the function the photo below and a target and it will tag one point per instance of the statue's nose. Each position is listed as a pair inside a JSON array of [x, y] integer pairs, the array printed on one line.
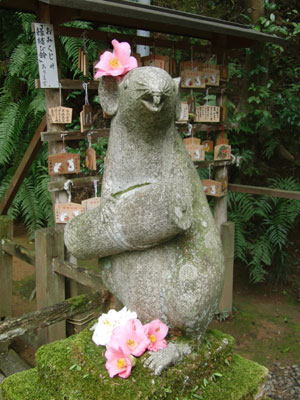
[[156, 100]]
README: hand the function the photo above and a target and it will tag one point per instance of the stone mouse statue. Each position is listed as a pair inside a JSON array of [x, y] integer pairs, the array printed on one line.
[[160, 253]]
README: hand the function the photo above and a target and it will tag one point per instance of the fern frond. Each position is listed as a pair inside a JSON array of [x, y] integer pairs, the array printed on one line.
[[262, 253]]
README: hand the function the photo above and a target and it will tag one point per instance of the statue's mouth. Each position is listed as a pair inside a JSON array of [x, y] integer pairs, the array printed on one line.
[[153, 103]]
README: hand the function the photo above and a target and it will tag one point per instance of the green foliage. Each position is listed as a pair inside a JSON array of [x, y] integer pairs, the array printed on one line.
[[22, 108], [262, 227]]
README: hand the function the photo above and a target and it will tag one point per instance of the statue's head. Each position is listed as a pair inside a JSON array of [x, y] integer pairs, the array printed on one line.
[[146, 93]]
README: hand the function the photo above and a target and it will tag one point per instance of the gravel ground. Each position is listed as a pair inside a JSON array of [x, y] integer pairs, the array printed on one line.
[[283, 382]]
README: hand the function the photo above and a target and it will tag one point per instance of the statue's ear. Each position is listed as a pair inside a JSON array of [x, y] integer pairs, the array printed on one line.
[[109, 94], [176, 85]]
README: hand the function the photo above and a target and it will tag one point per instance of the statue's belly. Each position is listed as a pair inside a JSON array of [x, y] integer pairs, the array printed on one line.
[[169, 282]]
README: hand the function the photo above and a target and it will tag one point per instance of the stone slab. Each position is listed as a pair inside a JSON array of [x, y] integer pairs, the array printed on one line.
[[75, 369], [10, 363]]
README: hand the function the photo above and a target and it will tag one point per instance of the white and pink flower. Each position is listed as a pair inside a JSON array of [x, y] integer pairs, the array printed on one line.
[[126, 338], [108, 322], [117, 63], [131, 337], [156, 331], [119, 361]]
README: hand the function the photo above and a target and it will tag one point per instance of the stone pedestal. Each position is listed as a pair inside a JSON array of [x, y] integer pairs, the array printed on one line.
[[74, 369]]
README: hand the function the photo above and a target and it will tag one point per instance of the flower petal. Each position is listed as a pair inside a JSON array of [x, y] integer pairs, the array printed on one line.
[[121, 51]]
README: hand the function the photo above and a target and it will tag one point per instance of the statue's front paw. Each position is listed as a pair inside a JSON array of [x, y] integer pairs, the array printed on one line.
[[161, 359]]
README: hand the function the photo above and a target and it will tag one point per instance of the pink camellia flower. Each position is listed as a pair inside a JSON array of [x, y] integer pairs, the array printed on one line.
[[118, 362], [131, 337], [156, 331], [116, 63]]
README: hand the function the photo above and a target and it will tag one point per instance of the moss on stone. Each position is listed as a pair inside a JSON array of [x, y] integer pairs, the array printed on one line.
[[24, 386], [74, 369], [240, 382]]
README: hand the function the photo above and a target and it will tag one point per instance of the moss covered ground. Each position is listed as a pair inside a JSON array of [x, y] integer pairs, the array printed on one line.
[[74, 369]]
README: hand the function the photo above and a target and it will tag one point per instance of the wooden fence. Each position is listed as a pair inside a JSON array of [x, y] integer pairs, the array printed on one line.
[[51, 269]]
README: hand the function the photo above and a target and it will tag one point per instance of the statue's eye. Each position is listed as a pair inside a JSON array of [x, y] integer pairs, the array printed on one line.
[[126, 84]]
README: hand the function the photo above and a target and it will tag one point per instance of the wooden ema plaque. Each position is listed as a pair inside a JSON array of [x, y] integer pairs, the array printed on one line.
[[86, 118], [158, 61], [60, 115], [63, 163], [195, 150], [213, 188], [90, 159], [82, 62], [222, 152], [224, 73], [208, 146], [211, 76], [89, 204], [184, 111], [222, 141], [192, 79], [207, 114], [64, 212]]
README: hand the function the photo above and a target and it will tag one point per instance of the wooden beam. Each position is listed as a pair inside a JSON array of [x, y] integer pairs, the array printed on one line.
[[72, 84], [81, 275], [133, 39], [50, 288], [213, 163], [22, 169], [227, 239], [286, 194], [77, 183], [47, 316], [74, 135], [16, 250]]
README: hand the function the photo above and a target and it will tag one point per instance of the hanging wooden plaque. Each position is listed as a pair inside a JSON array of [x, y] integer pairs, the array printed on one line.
[[64, 212], [195, 150], [222, 141], [89, 204], [184, 111], [211, 76], [208, 146], [224, 73], [63, 163], [222, 152], [60, 115], [45, 46], [90, 158], [192, 79], [207, 114], [158, 61], [213, 188], [86, 118]]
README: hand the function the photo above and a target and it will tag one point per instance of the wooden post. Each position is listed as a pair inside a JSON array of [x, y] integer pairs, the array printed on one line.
[[6, 263], [227, 238], [53, 100], [220, 208], [50, 287]]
